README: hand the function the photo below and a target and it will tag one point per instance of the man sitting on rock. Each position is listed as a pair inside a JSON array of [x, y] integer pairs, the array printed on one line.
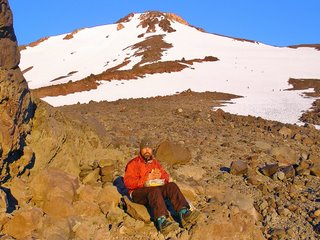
[[148, 184]]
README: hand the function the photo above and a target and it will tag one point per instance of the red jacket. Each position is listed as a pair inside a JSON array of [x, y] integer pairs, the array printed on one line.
[[137, 171]]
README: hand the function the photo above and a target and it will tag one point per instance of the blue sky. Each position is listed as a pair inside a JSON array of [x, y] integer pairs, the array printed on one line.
[[274, 22]]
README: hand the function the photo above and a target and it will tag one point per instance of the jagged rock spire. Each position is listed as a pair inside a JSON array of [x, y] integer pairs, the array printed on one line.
[[16, 107]]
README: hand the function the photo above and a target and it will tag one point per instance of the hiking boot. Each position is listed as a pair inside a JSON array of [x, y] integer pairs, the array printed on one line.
[[165, 226], [188, 217]]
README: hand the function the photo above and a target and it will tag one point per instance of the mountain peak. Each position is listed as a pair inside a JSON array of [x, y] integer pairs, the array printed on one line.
[[151, 19], [169, 16]]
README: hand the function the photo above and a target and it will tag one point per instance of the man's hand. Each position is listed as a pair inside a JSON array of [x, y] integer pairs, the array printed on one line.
[[154, 174]]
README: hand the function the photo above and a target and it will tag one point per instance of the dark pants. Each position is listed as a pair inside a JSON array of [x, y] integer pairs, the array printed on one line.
[[154, 197]]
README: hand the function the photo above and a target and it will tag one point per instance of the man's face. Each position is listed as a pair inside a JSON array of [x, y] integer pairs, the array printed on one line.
[[146, 153]]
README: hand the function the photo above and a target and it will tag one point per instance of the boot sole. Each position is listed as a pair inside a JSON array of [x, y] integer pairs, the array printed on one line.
[[171, 228]]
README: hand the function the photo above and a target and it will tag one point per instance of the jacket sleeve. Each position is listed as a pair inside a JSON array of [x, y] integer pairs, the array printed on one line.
[[132, 177]]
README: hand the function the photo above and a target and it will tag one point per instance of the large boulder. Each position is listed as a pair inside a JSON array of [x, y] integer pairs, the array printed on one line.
[[238, 226], [233, 197], [54, 191], [20, 191], [285, 155], [269, 169], [23, 223], [16, 106], [91, 228], [238, 167], [108, 198], [137, 211], [55, 228], [172, 153], [109, 194], [285, 132], [61, 142], [191, 193], [194, 172]]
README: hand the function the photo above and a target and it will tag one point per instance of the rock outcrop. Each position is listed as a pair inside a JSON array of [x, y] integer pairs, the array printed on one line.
[[60, 142], [16, 107]]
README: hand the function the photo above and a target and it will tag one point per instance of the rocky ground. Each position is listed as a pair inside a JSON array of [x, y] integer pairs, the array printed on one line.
[[282, 203], [250, 178], [312, 115]]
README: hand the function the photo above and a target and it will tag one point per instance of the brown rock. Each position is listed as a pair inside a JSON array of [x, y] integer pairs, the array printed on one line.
[[238, 226], [280, 233], [315, 169], [108, 198], [255, 179], [238, 167], [137, 211], [4, 218], [298, 137], [304, 155], [63, 143], [252, 179], [285, 155], [54, 191], [20, 191], [314, 158], [3, 201], [307, 141], [16, 106], [194, 172], [303, 167], [116, 215], [232, 197], [93, 177], [293, 207], [283, 211], [269, 169], [263, 205], [109, 193], [91, 228], [253, 161], [23, 223], [107, 172], [86, 209], [285, 132], [190, 193], [173, 154], [10, 56], [288, 171], [56, 228], [263, 145], [279, 176], [219, 113], [58, 207], [113, 156], [271, 202], [120, 26], [88, 193], [317, 213], [9, 53]]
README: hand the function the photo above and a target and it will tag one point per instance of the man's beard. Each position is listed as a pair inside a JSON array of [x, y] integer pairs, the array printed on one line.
[[147, 157]]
